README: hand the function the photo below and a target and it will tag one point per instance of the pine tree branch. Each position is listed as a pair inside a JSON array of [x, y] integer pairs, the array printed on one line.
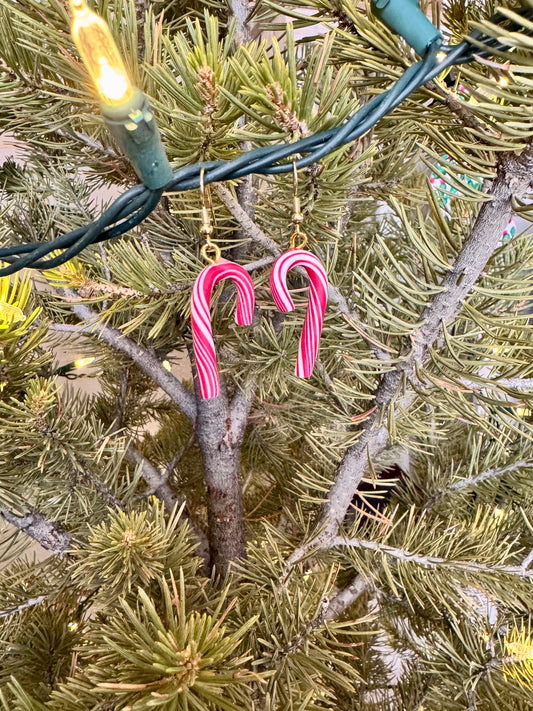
[[331, 610], [91, 143], [145, 360], [458, 107], [158, 483], [472, 481], [513, 179], [121, 399], [50, 535], [345, 598], [176, 459], [511, 383], [160, 488], [100, 486], [258, 264], [220, 428], [252, 229], [30, 602], [527, 560], [430, 561]]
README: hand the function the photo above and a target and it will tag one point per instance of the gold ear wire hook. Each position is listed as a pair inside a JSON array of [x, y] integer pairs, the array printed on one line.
[[207, 228], [298, 237]]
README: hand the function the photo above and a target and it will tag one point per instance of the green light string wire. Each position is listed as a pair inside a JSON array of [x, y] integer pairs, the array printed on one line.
[[133, 206]]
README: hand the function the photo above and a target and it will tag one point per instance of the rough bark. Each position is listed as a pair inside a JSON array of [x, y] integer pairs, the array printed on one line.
[[470, 482], [220, 445], [48, 534], [431, 561], [239, 10]]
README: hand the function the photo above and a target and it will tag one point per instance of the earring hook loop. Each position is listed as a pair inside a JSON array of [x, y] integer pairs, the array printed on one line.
[[206, 228], [298, 237]]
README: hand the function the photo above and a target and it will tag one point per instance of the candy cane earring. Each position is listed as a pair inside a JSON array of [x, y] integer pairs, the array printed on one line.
[[217, 270], [297, 256]]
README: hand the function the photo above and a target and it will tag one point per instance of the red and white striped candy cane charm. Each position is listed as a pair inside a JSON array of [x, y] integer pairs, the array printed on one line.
[[202, 332], [318, 296]]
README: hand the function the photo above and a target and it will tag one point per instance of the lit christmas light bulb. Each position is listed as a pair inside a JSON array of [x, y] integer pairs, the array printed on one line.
[[100, 54], [126, 110], [523, 412], [83, 362]]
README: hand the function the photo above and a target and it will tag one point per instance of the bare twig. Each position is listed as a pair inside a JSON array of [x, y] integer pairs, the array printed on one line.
[[345, 598], [472, 481], [240, 9], [145, 360], [430, 561], [331, 610], [459, 108], [50, 535], [158, 485], [511, 383], [91, 143], [527, 560], [100, 486], [30, 602], [178, 457], [251, 228]]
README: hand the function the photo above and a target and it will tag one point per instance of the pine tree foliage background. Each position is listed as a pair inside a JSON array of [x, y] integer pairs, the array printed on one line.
[[360, 540]]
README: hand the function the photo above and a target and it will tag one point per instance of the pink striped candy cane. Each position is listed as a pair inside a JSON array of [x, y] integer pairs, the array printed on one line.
[[202, 332], [318, 296]]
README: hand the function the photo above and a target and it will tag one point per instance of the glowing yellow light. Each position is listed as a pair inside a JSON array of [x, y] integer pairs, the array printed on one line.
[[100, 54], [166, 365], [496, 349], [521, 411], [503, 81], [498, 513], [307, 574], [441, 56], [113, 84], [11, 313], [522, 651], [73, 626], [83, 362]]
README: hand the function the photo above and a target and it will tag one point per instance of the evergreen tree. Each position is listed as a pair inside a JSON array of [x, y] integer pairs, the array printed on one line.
[[362, 539]]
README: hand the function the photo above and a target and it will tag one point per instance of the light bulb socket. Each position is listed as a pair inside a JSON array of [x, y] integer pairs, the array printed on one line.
[[134, 128], [406, 18]]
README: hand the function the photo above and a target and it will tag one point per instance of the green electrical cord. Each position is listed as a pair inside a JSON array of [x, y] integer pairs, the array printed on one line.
[[131, 208]]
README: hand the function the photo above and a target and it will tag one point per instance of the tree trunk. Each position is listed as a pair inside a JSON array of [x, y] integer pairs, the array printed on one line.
[[221, 455]]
